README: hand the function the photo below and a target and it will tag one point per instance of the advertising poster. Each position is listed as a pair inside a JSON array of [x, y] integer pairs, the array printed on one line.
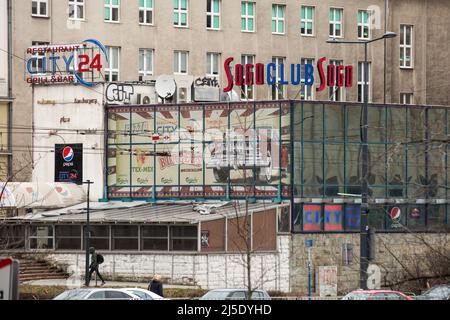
[[312, 217], [328, 281], [69, 163], [333, 217]]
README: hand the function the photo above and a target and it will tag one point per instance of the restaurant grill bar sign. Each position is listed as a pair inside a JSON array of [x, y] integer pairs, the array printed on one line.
[[260, 74], [69, 163]]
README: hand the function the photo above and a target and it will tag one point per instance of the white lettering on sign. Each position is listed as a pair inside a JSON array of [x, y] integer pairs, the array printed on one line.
[[119, 92]]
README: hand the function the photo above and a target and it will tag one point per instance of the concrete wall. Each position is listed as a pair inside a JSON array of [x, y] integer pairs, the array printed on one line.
[[4, 49], [79, 116], [208, 271], [328, 251]]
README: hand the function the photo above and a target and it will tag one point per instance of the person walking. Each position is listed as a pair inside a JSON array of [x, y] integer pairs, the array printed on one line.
[[156, 286], [94, 265]]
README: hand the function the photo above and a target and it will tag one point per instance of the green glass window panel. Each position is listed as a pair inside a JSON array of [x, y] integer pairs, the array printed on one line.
[[310, 13], [250, 9], [338, 15], [436, 216], [141, 3], [436, 121], [396, 124], [175, 18], [376, 119], [216, 22], [359, 17], [216, 6], [313, 123], [353, 165], [281, 26], [149, 3], [243, 8], [338, 27], [107, 1], [313, 169], [377, 165], [184, 4], [416, 124], [334, 123], [302, 26], [366, 17], [175, 4], [376, 218], [353, 123], [416, 171], [274, 11], [280, 12], [436, 171], [309, 25], [107, 14], [334, 166], [302, 13], [330, 15], [115, 2], [243, 24], [274, 26], [250, 24], [183, 18]]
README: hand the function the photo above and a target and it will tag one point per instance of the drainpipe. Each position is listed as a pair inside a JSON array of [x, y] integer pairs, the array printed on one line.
[[386, 17], [10, 80]]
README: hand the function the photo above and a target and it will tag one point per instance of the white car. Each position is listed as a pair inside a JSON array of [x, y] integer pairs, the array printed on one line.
[[144, 294], [97, 294]]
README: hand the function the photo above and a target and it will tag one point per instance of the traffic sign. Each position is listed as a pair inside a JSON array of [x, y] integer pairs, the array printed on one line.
[[9, 279], [309, 243]]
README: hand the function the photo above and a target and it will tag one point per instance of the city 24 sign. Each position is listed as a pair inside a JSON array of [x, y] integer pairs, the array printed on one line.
[[260, 74], [74, 63]]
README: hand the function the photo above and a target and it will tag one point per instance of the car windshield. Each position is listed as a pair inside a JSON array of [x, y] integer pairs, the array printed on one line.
[[72, 295], [438, 292], [216, 295], [357, 296]]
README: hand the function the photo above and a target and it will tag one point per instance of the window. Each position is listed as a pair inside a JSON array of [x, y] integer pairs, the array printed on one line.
[[213, 14], [68, 237], [248, 16], [117, 295], [41, 237], [145, 63], [361, 76], [180, 62], [247, 91], [336, 93], [406, 98], [212, 64], [39, 8], [364, 28], [112, 10], [38, 64], [278, 18], [76, 9], [278, 90], [125, 237], [335, 18], [307, 92], [180, 13], [307, 21], [183, 238], [12, 237], [99, 237], [113, 65], [406, 54], [97, 295], [154, 238], [146, 12]]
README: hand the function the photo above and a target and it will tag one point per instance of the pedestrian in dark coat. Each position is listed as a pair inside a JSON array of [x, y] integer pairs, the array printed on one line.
[[156, 285]]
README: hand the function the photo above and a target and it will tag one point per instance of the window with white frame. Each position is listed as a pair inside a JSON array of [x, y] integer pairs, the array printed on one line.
[[112, 8], [278, 90], [180, 13], [180, 62], [307, 21], [278, 11], [406, 98], [247, 92], [307, 92], [146, 12], [112, 71], [336, 93], [212, 64], [213, 14], [362, 71], [248, 16], [335, 21], [145, 63], [76, 9], [38, 63], [364, 27], [406, 46], [39, 8]]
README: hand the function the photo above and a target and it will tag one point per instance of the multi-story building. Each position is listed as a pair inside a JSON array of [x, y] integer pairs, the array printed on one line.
[[147, 38], [5, 90]]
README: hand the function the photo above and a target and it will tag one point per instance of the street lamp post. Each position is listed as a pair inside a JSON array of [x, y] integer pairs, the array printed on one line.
[[87, 234], [364, 228]]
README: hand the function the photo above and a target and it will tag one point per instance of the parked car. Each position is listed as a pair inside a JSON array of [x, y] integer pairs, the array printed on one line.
[[144, 294], [97, 294], [376, 295], [440, 292], [235, 294]]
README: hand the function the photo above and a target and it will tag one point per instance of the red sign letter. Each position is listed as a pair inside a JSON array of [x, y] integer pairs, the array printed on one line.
[[321, 74], [228, 74]]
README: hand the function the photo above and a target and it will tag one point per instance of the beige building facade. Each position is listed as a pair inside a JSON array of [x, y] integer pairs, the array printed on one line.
[[149, 38]]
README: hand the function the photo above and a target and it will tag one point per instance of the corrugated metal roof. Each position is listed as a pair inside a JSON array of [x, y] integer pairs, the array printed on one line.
[[144, 213]]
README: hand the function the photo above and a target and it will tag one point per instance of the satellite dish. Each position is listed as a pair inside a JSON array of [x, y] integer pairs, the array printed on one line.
[[165, 86], [230, 96]]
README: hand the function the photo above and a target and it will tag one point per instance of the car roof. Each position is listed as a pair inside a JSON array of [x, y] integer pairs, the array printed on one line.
[[375, 291], [237, 289]]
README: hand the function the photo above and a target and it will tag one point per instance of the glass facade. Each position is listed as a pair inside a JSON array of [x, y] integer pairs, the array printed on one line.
[[249, 149]]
